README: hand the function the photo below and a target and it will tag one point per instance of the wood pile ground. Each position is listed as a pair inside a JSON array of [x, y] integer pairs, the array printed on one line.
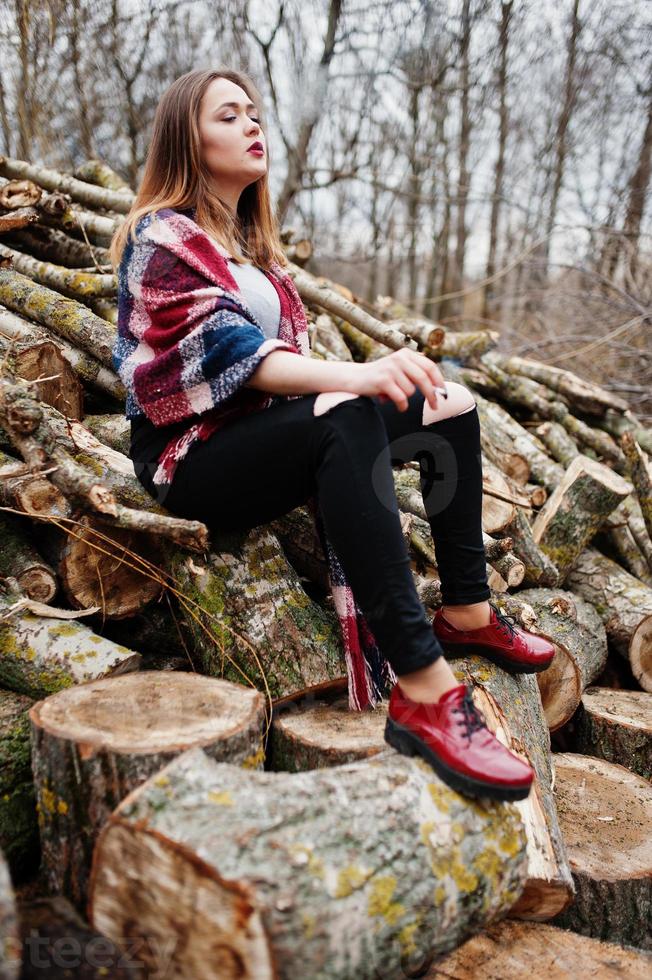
[[181, 778]]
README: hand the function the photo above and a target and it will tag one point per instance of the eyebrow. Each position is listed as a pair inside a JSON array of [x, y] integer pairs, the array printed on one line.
[[234, 105]]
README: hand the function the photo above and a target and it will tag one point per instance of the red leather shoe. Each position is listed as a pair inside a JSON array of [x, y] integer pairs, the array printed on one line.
[[502, 641], [452, 737]]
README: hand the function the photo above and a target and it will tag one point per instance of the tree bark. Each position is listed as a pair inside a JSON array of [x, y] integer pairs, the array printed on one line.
[[264, 629], [587, 494], [79, 190], [18, 826], [616, 726], [576, 630], [19, 558], [95, 743], [41, 654], [512, 707], [358, 871], [624, 605], [66, 317], [87, 368], [611, 858]]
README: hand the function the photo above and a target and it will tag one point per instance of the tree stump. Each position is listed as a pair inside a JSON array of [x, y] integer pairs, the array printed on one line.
[[512, 707], [318, 734], [43, 654], [616, 726], [587, 494], [265, 629], [624, 605], [605, 813], [18, 824], [513, 950], [93, 744], [352, 871], [577, 632]]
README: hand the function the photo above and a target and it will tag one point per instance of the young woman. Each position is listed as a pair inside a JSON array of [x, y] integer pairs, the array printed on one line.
[[231, 427]]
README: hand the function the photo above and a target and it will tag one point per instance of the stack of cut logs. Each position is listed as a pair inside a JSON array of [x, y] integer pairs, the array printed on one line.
[[177, 749]]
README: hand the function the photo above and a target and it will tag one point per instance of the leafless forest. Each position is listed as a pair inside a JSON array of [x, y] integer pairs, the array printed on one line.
[[486, 162]]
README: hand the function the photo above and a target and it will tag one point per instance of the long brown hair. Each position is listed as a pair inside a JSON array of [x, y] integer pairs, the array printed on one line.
[[174, 176]]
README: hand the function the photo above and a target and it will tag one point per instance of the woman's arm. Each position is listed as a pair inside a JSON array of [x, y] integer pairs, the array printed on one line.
[[285, 373], [394, 376]]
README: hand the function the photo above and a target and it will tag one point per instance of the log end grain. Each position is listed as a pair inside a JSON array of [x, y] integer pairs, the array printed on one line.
[[616, 725], [326, 735], [605, 813], [148, 712]]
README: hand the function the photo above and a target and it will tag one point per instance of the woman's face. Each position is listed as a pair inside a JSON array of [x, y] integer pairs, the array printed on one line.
[[227, 132]]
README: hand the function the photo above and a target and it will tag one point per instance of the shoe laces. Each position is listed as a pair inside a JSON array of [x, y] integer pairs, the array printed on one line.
[[472, 718], [507, 624]]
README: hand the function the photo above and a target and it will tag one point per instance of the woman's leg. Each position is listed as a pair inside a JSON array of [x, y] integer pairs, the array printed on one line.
[[266, 464]]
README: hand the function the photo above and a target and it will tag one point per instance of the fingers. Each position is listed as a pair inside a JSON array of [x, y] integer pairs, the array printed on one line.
[[421, 370]]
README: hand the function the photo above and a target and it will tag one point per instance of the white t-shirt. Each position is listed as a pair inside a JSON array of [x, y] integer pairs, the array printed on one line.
[[259, 294]]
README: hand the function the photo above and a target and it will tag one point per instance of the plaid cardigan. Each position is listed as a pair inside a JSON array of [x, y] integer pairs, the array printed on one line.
[[186, 345]]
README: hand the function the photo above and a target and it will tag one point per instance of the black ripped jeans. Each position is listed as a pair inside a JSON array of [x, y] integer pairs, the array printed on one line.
[[264, 465]]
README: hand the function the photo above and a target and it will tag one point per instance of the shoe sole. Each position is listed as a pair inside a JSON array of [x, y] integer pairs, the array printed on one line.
[[455, 650], [407, 743]]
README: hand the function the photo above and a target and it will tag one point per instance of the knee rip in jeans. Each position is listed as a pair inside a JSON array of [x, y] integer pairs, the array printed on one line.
[[329, 399], [459, 401]]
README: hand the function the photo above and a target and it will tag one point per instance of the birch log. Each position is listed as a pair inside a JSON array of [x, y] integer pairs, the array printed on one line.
[[512, 707], [41, 654], [264, 629], [580, 641], [128, 727], [616, 726], [357, 871], [587, 494], [624, 605], [605, 813], [19, 558]]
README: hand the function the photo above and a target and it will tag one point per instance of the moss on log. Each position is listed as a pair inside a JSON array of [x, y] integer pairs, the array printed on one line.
[[18, 825], [265, 630], [354, 871], [40, 655]]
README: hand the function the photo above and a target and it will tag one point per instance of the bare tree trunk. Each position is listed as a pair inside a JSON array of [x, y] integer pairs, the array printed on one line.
[[76, 35], [298, 153], [463, 151], [496, 203], [636, 200], [563, 122]]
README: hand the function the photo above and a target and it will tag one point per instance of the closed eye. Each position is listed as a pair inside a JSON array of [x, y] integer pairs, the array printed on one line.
[[229, 118]]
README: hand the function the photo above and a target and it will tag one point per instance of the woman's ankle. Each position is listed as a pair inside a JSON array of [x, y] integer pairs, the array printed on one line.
[[469, 617], [428, 684]]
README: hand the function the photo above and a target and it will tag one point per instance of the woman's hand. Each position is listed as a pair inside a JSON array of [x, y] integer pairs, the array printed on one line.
[[396, 377]]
